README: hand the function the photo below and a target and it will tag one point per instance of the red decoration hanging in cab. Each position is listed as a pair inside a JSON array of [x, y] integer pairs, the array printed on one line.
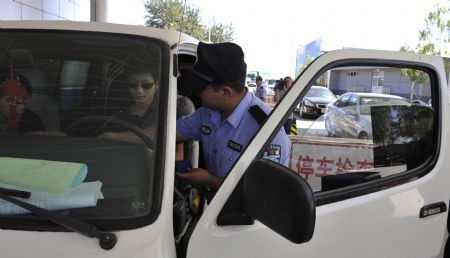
[[16, 95]]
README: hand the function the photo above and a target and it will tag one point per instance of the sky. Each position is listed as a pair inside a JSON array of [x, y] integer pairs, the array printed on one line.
[[270, 32]]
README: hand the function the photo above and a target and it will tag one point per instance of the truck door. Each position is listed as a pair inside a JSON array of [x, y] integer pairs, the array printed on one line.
[[386, 196]]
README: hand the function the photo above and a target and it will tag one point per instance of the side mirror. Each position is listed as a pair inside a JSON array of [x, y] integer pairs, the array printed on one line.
[[277, 197]]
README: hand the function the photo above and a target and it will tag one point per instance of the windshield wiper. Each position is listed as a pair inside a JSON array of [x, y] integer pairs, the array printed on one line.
[[106, 240]]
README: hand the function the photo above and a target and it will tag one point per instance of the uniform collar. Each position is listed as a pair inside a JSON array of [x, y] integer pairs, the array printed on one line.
[[235, 118]]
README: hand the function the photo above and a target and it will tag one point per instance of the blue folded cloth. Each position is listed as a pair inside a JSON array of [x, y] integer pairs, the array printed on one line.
[[44, 175], [83, 195]]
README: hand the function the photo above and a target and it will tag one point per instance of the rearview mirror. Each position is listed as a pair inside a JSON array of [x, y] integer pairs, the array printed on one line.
[[277, 197]]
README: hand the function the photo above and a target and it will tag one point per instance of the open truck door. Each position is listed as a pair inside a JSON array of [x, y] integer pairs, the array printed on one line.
[[376, 197]]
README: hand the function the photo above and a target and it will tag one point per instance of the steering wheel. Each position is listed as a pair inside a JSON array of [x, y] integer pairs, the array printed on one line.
[[110, 119]]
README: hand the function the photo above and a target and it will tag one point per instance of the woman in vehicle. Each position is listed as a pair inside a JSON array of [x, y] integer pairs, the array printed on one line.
[[142, 87]]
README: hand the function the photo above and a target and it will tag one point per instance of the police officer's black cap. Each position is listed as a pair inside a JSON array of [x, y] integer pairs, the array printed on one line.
[[216, 65]]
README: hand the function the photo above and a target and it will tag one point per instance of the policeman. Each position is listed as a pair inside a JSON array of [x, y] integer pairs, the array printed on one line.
[[260, 92], [223, 124]]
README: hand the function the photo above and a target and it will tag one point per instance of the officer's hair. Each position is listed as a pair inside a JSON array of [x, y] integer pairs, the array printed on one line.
[[237, 85]]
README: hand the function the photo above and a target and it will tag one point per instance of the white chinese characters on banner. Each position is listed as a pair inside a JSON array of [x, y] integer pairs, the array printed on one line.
[[315, 157]]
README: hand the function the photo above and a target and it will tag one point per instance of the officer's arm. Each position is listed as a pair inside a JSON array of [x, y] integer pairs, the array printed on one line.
[[180, 138], [200, 177]]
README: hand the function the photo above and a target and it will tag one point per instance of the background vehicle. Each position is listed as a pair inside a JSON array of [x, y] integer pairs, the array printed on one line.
[[250, 80], [315, 101], [269, 85], [349, 116]]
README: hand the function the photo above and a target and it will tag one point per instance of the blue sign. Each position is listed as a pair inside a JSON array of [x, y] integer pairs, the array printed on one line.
[[305, 53]]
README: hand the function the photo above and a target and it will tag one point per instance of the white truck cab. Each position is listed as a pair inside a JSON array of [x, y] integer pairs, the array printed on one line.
[[386, 196]]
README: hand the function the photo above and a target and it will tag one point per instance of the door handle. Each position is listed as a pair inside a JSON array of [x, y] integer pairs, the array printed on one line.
[[432, 209]]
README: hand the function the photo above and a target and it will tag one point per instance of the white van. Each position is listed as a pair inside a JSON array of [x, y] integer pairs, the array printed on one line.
[[129, 202]]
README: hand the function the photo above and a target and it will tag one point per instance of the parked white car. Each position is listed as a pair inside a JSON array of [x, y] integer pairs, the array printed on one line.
[[349, 116], [270, 85]]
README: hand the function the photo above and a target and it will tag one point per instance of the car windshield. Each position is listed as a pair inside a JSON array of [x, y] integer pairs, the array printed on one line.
[[75, 91], [367, 102], [319, 93]]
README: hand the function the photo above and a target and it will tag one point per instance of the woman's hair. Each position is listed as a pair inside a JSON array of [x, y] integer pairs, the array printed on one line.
[[134, 67], [280, 84]]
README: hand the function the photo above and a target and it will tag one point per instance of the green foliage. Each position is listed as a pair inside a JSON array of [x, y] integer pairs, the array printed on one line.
[[433, 40], [221, 33], [176, 15]]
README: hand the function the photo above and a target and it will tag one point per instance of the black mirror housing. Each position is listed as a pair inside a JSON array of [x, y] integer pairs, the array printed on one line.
[[277, 197]]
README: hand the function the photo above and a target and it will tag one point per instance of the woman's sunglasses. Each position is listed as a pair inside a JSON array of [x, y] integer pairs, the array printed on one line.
[[143, 85]]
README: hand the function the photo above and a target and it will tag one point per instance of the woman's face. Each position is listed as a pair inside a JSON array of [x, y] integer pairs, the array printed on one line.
[[142, 88]]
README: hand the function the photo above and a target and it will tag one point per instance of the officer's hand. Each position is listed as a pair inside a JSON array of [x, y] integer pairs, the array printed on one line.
[[195, 176]]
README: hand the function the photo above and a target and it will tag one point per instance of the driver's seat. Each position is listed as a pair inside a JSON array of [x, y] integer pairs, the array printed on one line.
[[187, 201], [191, 149]]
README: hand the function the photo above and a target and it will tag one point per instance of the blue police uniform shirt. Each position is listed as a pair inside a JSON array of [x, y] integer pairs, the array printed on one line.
[[223, 142], [260, 92]]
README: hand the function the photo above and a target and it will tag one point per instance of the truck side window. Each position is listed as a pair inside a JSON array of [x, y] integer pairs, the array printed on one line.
[[365, 135]]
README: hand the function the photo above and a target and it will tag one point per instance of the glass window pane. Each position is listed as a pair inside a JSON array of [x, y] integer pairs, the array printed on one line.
[[92, 99], [362, 135]]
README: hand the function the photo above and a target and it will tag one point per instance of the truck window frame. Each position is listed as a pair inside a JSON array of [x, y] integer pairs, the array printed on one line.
[[331, 196]]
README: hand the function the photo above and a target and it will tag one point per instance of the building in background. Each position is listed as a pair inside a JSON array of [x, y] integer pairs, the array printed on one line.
[[117, 11], [74, 10], [389, 80]]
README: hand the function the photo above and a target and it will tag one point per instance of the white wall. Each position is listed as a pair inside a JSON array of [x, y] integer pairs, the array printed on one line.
[[77, 10]]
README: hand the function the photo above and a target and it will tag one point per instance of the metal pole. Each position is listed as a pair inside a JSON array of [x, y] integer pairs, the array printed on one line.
[[99, 10], [93, 10]]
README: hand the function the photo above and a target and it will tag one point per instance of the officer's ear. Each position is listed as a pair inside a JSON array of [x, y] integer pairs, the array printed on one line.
[[227, 91]]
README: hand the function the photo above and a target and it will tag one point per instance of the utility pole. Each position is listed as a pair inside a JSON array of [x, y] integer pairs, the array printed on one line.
[[99, 10]]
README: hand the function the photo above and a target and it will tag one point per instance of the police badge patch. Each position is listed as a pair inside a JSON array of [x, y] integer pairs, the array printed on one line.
[[206, 130], [273, 153], [235, 146]]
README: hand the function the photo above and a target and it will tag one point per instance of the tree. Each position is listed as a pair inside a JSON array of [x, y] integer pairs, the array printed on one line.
[[221, 33], [433, 40], [176, 15]]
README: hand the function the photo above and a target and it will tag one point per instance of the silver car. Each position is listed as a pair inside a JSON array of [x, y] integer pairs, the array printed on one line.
[[349, 116]]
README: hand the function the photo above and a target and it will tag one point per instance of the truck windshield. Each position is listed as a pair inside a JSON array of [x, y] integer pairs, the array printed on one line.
[[79, 126]]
